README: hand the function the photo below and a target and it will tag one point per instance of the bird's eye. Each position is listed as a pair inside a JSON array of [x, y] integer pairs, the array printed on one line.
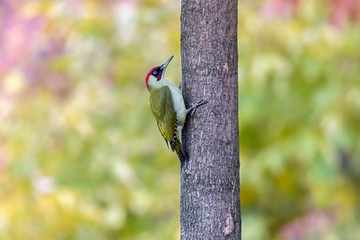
[[154, 72]]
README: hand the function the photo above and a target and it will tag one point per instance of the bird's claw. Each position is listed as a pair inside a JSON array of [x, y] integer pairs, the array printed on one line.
[[197, 104]]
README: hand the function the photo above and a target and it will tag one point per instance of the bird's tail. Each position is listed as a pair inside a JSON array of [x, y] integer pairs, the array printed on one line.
[[180, 151]]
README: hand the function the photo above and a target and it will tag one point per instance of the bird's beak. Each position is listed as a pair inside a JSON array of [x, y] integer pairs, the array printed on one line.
[[165, 64]]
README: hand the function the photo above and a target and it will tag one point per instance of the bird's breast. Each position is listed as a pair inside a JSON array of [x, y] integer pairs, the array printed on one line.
[[179, 105]]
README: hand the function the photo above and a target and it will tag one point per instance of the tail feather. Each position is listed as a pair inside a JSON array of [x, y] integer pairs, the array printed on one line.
[[180, 151]]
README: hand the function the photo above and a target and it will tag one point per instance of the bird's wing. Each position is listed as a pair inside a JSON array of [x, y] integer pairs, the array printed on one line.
[[162, 106]]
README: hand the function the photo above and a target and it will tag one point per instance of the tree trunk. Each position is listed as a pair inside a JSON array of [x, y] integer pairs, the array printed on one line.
[[210, 191]]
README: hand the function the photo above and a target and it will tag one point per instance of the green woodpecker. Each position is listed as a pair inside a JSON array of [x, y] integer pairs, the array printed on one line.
[[167, 105]]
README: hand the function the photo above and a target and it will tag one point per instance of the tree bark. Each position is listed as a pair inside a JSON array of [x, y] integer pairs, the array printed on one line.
[[210, 190]]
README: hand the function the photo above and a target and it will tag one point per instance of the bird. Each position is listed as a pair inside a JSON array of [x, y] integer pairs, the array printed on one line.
[[168, 107]]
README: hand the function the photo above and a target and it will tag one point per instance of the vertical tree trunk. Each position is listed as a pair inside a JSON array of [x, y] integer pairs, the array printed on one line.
[[210, 191]]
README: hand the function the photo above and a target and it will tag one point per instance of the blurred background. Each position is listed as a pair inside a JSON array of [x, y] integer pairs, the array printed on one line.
[[80, 154]]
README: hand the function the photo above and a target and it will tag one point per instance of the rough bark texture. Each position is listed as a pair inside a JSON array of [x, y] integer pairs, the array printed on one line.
[[210, 192]]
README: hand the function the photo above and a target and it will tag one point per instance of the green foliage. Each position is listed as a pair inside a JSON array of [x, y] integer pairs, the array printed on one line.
[[81, 156], [299, 111]]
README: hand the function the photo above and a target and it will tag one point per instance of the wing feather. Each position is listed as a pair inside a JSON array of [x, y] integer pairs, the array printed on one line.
[[162, 106]]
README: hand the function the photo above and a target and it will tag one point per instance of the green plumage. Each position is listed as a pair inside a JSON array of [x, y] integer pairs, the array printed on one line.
[[162, 106]]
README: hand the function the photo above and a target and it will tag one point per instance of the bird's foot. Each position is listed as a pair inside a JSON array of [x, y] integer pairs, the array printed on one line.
[[192, 109]]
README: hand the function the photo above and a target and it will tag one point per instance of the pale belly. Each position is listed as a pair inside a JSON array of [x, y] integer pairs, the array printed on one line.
[[179, 106]]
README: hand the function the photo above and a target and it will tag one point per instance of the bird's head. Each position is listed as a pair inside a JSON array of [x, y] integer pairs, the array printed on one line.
[[156, 74]]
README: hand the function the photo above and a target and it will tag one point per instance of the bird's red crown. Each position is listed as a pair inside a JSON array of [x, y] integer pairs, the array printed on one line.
[[147, 77]]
